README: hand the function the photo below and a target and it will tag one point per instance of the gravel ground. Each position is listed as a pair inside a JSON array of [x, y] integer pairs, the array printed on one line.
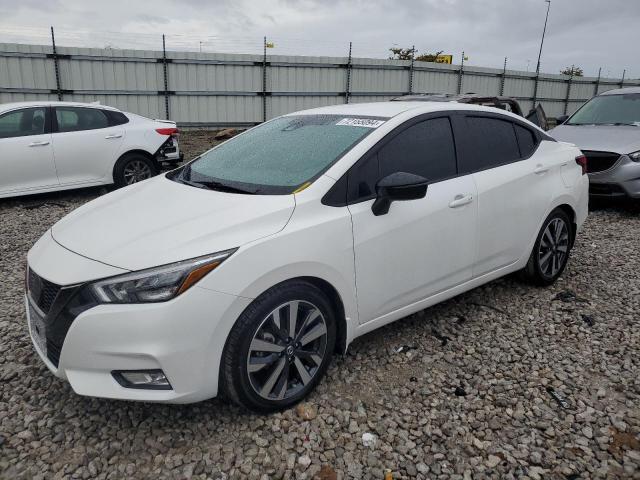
[[468, 396]]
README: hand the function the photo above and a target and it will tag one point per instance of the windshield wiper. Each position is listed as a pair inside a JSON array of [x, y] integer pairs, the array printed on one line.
[[223, 187], [189, 182], [212, 185]]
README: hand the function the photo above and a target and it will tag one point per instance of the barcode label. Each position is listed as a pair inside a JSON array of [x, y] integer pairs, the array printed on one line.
[[361, 122]]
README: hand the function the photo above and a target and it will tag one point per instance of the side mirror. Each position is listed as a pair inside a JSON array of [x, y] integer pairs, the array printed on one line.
[[561, 119], [397, 187]]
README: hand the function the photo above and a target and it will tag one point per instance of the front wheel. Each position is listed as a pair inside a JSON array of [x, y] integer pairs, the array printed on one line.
[[279, 348], [551, 250]]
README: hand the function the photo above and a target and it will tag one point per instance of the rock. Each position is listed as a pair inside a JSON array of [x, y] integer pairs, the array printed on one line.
[[369, 440], [226, 134], [304, 461], [326, 473], [306, 411], [492, 461]]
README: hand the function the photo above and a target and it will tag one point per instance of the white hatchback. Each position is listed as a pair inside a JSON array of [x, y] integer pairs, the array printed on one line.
[[48, 146], [245, 270]]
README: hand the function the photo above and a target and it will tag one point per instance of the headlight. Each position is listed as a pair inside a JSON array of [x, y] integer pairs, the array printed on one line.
[[157, 284], [635, 156]]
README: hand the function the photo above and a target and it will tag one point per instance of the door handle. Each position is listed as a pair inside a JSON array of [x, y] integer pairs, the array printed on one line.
[[460, 200], [540, 169], [113, 135], [39, 144]]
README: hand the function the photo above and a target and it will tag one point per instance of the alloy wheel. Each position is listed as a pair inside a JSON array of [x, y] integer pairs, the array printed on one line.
[[136, 171], [554, 246], [287, 350]]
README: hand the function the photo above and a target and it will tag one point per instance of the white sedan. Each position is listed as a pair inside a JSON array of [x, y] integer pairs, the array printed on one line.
[[244, 271], [48, 146]]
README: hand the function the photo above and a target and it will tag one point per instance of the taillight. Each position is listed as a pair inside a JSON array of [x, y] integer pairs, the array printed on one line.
[[582, 161], [173, 131]]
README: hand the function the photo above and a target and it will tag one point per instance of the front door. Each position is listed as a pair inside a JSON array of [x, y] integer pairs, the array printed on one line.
[[420, 247], [26, 158]]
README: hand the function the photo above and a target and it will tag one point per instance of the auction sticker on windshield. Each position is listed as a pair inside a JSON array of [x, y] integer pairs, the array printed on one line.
[[361, 122]]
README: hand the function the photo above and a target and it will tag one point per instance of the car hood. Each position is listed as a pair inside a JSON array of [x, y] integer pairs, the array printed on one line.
[[160, 221], [620, 139]]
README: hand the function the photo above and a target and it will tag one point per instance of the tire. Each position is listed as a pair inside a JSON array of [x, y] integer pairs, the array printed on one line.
[[133, 168], [273, 379], [542, 268]]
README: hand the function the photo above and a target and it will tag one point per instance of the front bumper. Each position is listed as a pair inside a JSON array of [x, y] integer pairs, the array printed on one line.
[[622, 180], [183, 337]]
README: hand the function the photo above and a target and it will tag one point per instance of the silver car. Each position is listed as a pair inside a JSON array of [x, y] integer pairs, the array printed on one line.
[[607, 130]]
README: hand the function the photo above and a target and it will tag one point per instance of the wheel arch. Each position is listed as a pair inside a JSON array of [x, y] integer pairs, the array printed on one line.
[[338, 308], [571, 213], [137, 151]]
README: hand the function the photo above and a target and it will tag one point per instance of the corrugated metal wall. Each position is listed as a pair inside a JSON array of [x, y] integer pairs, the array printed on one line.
[[228, 89]]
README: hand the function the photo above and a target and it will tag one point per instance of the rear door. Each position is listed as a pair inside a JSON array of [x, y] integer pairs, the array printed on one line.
[[514, 185], [420, 247], [85, 145], [26, 158]]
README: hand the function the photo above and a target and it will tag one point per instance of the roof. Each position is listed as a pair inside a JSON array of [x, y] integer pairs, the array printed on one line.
[[622, 91], [393, 108], [448, 97], [12, 106]]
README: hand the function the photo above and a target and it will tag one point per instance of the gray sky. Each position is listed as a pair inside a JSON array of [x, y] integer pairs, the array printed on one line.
[[588, 33]]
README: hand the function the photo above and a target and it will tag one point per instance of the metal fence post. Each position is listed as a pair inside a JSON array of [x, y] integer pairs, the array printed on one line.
[[55, 65], [566, 98], [622, 80], [504, 74], [166, 78], [460, 74], [348, 91], [413, 56], [264, 81], [597, 85]]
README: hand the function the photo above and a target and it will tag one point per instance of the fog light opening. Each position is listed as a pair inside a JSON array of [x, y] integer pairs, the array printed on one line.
[[143, 379]]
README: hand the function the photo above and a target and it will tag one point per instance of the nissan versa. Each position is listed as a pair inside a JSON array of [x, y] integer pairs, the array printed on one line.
[[244, 271], [607, 129]]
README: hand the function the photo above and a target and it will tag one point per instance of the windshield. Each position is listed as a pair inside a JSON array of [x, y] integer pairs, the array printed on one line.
[[609, 110], [279, 156]]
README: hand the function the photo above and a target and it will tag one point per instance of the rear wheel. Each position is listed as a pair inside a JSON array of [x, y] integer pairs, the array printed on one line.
[[133, 168], [279, 348], [551, 251]]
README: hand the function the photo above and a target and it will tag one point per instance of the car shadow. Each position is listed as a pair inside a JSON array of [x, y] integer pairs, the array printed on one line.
[[625, 206]]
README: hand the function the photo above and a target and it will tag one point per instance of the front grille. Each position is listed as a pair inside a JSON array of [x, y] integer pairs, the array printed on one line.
[[600, 161], [43, 292]]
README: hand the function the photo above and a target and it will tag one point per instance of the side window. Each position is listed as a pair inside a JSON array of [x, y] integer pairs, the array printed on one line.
[[73, 119], [22, 123], [116, 118], [425, 149], [526, 139], [489, 142]]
